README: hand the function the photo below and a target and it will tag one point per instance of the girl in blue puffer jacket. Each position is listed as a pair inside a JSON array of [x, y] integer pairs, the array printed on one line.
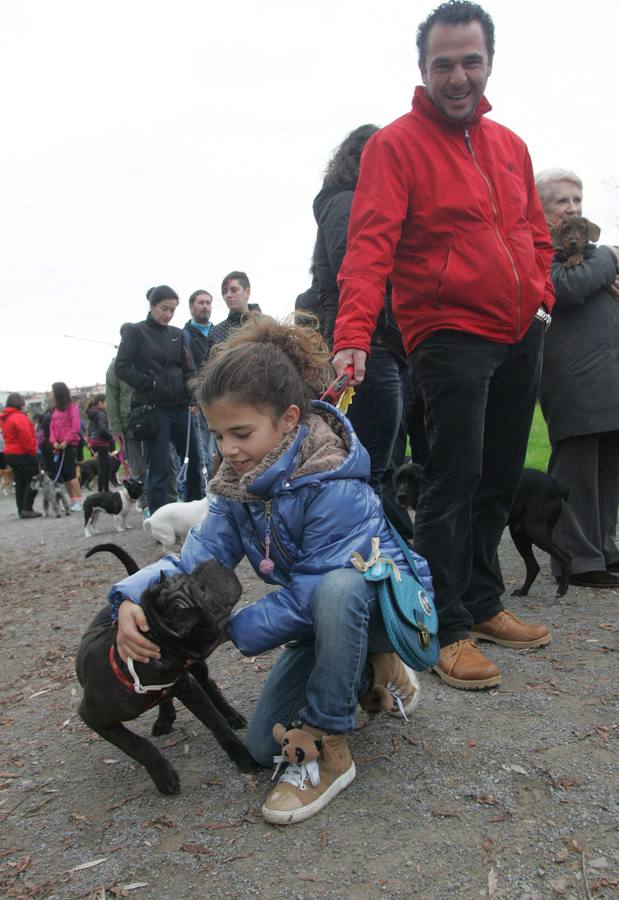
[[292, 495]]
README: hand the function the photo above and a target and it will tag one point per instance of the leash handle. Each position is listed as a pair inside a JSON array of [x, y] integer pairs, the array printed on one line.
[[337, 387]]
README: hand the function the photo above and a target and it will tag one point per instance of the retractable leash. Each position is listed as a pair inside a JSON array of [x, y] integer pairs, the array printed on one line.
[[203, 466], [340, 392], [59, 468], [182, 475]]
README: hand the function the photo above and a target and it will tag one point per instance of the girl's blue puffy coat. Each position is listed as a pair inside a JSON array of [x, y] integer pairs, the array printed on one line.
[[318, 521]]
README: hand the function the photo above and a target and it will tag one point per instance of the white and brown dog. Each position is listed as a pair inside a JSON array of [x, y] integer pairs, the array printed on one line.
[[116, 503]]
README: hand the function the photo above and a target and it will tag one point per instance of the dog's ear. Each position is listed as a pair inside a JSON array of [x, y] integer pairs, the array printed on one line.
[[555, 235], [593, 231]]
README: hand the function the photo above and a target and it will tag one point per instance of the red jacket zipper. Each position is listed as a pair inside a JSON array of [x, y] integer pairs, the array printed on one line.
[[467, 139]]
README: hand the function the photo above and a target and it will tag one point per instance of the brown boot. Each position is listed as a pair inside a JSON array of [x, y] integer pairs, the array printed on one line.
[[395, 687], [508, 630], [306, 787], [463, 665]]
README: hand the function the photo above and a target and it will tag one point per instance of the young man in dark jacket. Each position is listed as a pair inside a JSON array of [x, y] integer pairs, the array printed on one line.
[[446, 207], [199, 326], [235, 289]]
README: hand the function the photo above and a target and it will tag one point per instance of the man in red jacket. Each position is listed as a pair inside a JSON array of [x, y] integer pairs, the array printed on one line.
[[446, 207]]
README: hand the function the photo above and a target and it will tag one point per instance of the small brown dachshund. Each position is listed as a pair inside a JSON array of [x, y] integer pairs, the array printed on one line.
[[572, 236]]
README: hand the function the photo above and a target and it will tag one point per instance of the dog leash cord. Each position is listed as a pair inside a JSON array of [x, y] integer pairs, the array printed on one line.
[[140, 688]]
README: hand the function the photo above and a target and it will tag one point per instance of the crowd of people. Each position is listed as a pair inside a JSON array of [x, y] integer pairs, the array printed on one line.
[[435, 277]]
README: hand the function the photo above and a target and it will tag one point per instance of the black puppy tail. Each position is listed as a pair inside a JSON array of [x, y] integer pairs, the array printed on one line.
[[130, 564]]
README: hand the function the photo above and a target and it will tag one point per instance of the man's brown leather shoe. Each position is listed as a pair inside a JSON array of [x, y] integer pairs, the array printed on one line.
[[463, 665], [508, 630]]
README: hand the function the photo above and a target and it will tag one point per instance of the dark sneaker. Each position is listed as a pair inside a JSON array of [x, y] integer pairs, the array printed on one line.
[[305, 788], [29, 514], [607, 578], [395, 687]]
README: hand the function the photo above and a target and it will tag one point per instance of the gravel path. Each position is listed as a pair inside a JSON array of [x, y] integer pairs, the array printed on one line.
[[510, 793]]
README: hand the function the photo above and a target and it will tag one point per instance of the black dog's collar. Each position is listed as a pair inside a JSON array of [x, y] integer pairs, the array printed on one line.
[[158, 692]]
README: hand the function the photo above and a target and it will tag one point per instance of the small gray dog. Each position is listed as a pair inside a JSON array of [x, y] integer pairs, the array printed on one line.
[[54, 493]]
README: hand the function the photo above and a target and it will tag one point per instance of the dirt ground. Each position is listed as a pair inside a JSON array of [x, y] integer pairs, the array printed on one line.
[[510, 793]]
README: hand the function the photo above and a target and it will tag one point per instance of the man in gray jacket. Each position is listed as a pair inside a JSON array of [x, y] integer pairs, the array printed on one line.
[[580, 392]]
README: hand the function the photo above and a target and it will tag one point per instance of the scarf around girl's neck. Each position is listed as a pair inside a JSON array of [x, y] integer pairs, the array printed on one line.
[[324, 448]]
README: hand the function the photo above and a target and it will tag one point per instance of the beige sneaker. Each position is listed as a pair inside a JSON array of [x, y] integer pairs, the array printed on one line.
[[395, 689], [305, 788]]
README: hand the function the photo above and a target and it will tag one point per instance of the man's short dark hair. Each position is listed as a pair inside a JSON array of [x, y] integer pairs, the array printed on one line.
[[197, 294], [241, 277], [455, 12]]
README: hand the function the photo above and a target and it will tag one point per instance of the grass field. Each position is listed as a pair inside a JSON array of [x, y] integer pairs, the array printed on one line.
[[538, 450]]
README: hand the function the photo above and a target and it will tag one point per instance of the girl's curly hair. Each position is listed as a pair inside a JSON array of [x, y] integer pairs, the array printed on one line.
[[266, 363]]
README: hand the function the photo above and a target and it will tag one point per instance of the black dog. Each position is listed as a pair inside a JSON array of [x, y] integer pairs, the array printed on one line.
[[116, 503], [186, 615], [89, 469], [537, 506]]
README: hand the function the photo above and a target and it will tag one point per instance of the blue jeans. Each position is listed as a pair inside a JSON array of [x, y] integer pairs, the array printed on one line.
[[479, 397], [319, 681], [172, 428]]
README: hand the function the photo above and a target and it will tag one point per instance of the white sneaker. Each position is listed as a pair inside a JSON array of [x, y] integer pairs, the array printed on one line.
[[76, 506]]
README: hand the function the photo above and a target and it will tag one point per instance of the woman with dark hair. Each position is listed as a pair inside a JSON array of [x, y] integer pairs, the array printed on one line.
[[20, 452], [64, 435], [376, 410], [155, 360]]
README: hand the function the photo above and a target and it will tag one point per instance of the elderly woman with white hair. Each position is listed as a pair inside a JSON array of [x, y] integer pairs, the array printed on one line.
[[579, 392]]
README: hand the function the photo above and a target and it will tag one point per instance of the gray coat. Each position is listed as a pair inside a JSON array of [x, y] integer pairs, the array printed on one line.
[[579, 390]]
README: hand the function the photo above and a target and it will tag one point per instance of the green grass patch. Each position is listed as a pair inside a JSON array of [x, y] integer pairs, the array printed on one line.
[[538, 451]]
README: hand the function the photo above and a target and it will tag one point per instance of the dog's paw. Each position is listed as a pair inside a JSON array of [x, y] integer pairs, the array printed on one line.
[[245, 763], [162, 726], [236, 721], [519, 593], [166, 779]]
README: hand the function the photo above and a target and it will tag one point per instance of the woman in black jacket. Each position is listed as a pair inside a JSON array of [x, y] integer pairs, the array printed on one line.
[[155, 360], [376, 410]]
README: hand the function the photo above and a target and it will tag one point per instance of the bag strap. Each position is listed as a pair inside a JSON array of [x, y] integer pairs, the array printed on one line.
[[404, 547]]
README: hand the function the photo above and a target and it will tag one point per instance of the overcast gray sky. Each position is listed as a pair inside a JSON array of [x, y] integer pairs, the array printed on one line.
[[147, 142]]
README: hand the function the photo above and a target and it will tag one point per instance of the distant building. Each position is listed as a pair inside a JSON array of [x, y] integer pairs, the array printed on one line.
[[38, 401]]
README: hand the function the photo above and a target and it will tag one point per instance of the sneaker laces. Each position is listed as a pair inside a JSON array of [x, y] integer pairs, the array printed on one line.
[[398, 696], [297, 774]]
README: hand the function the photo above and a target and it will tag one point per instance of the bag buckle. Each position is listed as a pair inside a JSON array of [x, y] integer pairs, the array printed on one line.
[[424, 638]]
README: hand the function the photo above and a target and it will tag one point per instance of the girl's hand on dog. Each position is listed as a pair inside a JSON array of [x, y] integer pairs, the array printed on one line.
[[131, 641]]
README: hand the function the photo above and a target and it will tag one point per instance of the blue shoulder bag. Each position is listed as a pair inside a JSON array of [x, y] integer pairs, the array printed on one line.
[[407, 607]]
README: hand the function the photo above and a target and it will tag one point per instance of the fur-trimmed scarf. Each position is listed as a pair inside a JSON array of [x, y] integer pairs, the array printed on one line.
[[323, 449]]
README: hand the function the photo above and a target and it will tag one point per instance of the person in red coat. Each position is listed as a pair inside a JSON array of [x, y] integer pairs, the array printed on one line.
[[446, 208], [20, 451]]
